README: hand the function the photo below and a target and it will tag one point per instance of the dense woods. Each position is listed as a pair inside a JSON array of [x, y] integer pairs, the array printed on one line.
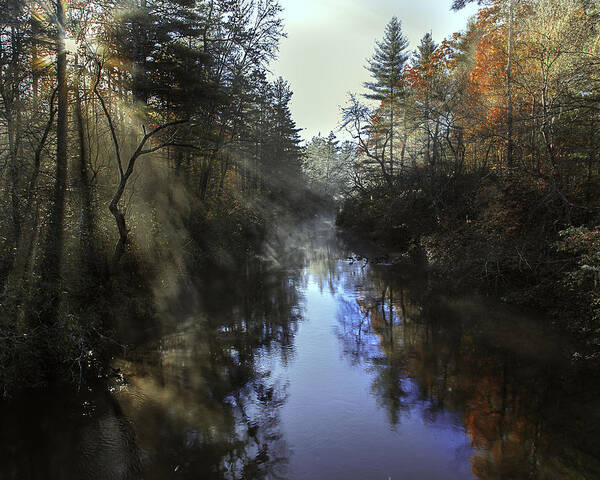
[[479, 155], [140, 141]]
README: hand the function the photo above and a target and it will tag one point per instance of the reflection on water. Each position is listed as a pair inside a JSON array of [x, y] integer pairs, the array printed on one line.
[[314, 365]]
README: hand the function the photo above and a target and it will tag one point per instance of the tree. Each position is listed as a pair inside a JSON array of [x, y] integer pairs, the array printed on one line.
[[386, 67], [328, 165], [424, 66], [510, 20], [282, 143], [51, 269], [371, 138]]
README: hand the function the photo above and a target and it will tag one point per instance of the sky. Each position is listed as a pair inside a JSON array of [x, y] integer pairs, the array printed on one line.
[[329, 41]]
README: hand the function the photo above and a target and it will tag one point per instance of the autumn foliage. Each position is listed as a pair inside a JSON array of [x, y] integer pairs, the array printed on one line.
[[498, 174]]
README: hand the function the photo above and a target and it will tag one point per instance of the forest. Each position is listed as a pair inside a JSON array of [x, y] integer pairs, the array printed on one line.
[[479, 156], [135, 139]]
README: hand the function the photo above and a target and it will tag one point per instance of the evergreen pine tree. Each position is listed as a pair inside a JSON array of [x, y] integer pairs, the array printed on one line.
[[423, 61], [284, 160], [425, 50], [386, 67]]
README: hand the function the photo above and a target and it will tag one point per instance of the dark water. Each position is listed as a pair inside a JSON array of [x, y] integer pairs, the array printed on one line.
[[307, 365]]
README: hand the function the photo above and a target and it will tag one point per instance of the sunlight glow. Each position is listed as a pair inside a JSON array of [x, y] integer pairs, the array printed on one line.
[[70, 45]]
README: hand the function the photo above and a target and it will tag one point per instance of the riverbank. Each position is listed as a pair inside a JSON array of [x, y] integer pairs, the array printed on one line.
[[107, 309], [487, 237]]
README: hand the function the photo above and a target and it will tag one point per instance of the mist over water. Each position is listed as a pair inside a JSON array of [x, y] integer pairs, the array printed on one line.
[[319, 365]]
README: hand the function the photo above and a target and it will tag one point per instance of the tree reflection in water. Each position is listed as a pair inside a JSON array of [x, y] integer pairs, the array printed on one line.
[[202, 398], [198, 401], [527, 411]]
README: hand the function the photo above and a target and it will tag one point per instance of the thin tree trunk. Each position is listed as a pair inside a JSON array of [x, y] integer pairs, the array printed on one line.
[[139, 61], [86, 208], [13, 146], [392, 133], [509, 105], [224, 168], [22, 259], [51, 269]]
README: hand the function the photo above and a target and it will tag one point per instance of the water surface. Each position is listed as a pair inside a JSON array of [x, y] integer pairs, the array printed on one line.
[[313, 364]]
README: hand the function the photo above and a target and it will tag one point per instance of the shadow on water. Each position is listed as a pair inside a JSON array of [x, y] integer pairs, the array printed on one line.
[[192, 401], [55, 434], [205, 395]]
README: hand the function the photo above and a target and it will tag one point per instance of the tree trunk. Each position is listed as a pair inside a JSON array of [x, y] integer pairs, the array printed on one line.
[[509, 106], [120, 220], [392, 133], [13, 146], [224, 168], [139, 61], [51, 269], [86, 208]]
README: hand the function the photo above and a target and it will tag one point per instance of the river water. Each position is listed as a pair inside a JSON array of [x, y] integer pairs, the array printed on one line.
[[313, 364]]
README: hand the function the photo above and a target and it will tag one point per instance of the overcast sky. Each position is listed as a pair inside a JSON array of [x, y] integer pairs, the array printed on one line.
[[329, 41]]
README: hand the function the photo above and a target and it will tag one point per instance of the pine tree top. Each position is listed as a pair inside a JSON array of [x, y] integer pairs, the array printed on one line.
[[387, 63], [425, 50]]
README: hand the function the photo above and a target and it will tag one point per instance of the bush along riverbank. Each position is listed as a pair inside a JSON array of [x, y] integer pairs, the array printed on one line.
[[500, 235]]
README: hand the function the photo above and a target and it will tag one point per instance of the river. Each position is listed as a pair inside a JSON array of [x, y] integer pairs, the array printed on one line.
[[312, 363]]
